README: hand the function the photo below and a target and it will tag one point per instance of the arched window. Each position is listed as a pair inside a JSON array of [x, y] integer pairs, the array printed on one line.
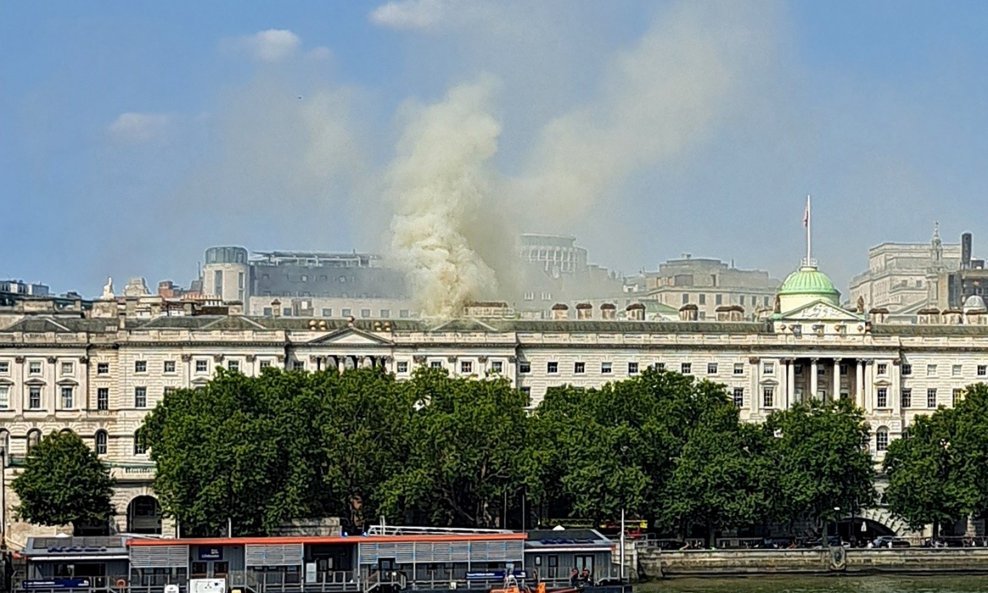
[[33, 438], [882, 439], [66, 431], [138, 447], [101, 442]]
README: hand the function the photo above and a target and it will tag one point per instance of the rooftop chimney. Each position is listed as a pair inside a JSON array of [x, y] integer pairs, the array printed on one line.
[[966, 251], [635, 312], [608, 311], [560, 312], [584, 311]]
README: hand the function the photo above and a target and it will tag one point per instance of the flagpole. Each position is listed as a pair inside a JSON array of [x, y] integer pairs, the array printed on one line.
[[809, 232]]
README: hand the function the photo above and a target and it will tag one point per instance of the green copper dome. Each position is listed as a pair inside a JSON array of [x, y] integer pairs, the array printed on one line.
[[807, 281]]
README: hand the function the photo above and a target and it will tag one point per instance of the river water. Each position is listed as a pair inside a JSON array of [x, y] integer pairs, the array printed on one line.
[[821, 584]]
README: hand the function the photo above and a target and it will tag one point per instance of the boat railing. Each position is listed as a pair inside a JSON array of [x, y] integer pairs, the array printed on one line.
[[418, 530]]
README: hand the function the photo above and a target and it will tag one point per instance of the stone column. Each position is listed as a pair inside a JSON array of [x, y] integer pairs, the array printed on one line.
[[813, 379], [756, 367], [869, 386], [836, 394], [790, 381], [859, 383]]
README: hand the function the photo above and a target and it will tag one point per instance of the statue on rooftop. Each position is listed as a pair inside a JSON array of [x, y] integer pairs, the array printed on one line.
[[108, 289]]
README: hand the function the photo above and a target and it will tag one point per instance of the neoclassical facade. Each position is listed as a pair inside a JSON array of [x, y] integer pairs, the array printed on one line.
[[98, 373]]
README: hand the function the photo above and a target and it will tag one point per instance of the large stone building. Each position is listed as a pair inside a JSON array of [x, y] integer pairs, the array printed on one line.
[[98, 372], [710, 284]]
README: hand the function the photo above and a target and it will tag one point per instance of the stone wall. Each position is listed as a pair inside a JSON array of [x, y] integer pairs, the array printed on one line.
[[657, 564]]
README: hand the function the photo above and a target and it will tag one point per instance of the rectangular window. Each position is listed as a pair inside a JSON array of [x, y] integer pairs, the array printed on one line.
[[686, 368], [718, 299], [4, 367], [287, 311], [768, 368], [327, 312], [768, 397], [703, 299], [168, 391], [497, 367], [881, 440], [686, 298], [169, 366], [402, 366], [233, 365], [632, 368], [579, 367], [298, 365], [403, 313], [739, 368], [34, 397], [907, 370], [883, 368], [466, 366], [605, 368], [347, 313], [265, 364], [711, 368], [843, 370], [956, 397], [883, 397], [739, 396], [34, 367], [138, 447], [140, 397], [661, 366], [931, 370], [385, 313], [435, 364], [797, 369], [955, 371], [202, 366], [140, 366], [552, 367], [4, 397], [365, 313], [524, 366], [931, 397], [906, 398], [67, 398], [66, 368], [527, 392], [982, 370]]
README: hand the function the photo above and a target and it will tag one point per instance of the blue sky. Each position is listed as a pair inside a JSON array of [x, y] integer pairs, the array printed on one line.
[[135, 134]]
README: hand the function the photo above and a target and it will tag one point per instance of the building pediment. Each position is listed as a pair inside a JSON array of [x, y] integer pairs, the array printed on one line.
[[351, 336], [820, 311]]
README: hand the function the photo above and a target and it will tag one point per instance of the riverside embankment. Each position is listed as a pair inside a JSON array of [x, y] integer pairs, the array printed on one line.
[[696, 563]]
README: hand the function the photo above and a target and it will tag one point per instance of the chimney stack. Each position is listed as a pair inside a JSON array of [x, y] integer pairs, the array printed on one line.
[[965, 251], [560, 312], [635, 312], [689, 312], [608, 311], [584, 311]]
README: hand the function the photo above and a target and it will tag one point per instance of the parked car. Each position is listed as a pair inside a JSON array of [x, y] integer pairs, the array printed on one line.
[[888, 541]]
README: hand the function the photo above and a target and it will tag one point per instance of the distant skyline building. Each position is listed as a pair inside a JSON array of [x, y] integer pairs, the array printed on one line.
[[710, 284]]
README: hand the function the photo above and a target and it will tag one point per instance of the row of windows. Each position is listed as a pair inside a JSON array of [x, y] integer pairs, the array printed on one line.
[[67, 399], [466, 366], [956, 370], [606, 368], [100, 441], [719, 299], [140, 366], [345, 312]]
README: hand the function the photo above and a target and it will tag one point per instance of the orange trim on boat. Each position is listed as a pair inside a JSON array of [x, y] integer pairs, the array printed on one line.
[[315, 539]]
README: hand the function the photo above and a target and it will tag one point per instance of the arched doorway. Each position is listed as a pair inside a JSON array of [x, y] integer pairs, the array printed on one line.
[[144, 516]]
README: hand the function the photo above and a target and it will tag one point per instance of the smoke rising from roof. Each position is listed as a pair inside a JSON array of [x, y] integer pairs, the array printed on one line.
[[441, 183]]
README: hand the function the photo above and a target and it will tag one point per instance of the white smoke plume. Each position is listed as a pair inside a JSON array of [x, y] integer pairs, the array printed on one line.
[[656, 101], [440, 182]]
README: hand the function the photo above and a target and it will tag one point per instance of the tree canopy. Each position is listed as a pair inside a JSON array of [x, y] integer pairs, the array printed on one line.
[[64, 482]]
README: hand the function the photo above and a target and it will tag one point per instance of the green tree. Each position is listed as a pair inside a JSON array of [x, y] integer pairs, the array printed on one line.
[[229, 451], [926, 484], [968, 447], [820, 454], [723, 474], [467, 451], [64, 482]]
